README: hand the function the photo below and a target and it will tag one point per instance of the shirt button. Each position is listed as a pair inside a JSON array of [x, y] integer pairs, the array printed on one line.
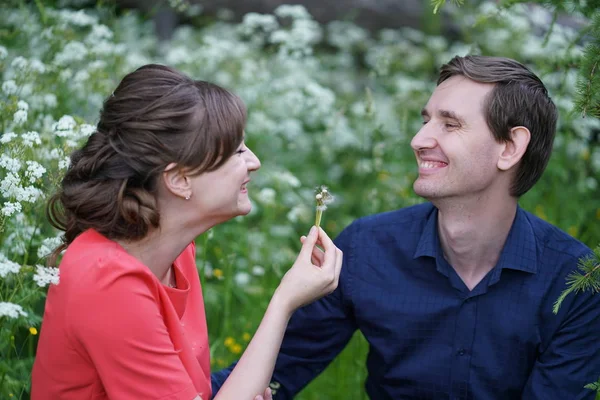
[[461, 352]]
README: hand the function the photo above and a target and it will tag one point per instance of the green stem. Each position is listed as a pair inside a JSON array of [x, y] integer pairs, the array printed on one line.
[[318, 218]]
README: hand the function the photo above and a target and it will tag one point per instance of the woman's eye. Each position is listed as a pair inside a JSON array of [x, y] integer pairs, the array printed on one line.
[[451, 126], [240, 151]]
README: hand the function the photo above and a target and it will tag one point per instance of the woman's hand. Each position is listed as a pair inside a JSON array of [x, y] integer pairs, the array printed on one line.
[[314, 274]]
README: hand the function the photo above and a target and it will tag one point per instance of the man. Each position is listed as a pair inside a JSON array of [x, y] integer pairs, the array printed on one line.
[[455, 296]]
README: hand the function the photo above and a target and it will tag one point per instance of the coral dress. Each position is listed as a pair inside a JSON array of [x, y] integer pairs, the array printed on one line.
[[112, 330]]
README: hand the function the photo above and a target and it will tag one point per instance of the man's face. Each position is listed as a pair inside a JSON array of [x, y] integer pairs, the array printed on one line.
[[455, 150]]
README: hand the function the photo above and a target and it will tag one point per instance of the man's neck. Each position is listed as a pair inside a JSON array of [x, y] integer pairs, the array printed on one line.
[[472, 235]]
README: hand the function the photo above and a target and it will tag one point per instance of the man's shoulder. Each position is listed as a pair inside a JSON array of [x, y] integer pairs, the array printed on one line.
[[553, 239]]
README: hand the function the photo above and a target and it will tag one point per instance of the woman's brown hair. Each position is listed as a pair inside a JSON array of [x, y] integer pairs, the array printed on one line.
[[155, 117]]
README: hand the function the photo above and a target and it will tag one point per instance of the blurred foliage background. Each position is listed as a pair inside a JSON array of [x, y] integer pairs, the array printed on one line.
[[329, 104]]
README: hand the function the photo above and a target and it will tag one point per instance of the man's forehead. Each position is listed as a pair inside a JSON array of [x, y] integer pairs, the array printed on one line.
[[459, 95]]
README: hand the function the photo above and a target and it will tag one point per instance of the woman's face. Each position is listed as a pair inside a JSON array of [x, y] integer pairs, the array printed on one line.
[[222, 194]]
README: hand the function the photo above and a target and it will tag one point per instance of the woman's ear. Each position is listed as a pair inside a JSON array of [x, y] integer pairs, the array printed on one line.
[[514, 148], [176, 181]]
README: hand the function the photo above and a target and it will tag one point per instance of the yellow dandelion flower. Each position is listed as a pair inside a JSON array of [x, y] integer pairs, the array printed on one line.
[[573, 230], [33, 331], [218, 273], [236, 349], [229, 341], [246, 336], [221, 362]]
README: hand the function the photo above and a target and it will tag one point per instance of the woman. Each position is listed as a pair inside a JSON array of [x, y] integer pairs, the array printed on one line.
[[166, 163]]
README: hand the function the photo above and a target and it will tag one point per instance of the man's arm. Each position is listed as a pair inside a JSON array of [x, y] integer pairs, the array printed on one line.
[[315, 335], [571, 359]]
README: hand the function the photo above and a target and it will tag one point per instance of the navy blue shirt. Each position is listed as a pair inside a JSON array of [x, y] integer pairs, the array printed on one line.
[[430, 337]]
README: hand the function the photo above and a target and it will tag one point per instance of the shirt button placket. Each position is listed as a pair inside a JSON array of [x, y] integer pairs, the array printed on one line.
[[463, 342]]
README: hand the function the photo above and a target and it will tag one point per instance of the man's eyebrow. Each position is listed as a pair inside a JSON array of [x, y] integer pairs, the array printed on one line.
[[451, 115]]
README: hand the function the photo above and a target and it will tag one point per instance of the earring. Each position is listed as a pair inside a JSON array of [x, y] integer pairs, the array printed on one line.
[[187, 197]]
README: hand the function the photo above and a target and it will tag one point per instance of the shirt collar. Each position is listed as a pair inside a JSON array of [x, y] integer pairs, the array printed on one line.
[[519, 251]]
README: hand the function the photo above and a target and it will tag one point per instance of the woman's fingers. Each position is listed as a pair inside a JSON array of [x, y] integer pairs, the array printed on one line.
[[317, 256], [330, 251], [309, 244]]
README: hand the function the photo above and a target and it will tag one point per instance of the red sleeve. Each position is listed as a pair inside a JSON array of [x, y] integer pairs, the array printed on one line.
[[121, 329]]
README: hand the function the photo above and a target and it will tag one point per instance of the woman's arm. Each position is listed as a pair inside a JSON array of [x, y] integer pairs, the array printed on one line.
[[302, 284]]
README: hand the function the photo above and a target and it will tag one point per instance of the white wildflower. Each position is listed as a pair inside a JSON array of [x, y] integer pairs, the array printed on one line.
[[55, 154], [37, 66], [10, 164], [86, 130], [11, 310], [10, 185], [19, 63], [9, 87], [241, 278], [73, 51], [78, 18], [81, 76], [258, 270], [22, 105], [7, 266], [7, 137], [299, 213], [267, 196], [3, 52], [9, 208], [50, 100], [48, 245], [254, 22], [45, 276], [29, 194], [64, 163], [65, 126], [292, 11], [30, 138], [99, 32], [34, 171], [287, 178], [66, 74], [97, 65], [20, 117]]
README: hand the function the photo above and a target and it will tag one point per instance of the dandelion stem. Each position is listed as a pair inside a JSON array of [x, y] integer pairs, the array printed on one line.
[[318, 217]]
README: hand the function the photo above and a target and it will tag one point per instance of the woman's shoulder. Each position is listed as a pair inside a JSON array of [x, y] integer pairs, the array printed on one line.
[[92, 260]]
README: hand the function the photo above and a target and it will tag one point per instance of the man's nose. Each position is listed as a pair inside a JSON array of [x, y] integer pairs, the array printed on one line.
[[425, 138]]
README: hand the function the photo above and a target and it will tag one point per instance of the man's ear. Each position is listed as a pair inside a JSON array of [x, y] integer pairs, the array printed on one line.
[[514, 148], [176, 181]]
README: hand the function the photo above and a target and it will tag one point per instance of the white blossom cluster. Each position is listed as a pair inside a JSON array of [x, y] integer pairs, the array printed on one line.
[[45, 276], [11, 310]]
